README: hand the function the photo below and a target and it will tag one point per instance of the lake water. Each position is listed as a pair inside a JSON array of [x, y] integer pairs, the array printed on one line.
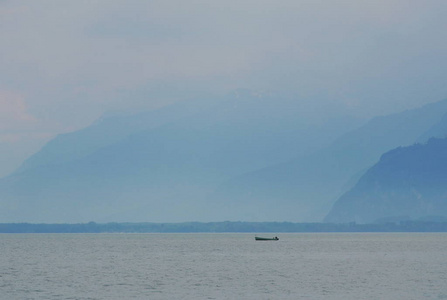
[[223, 266]]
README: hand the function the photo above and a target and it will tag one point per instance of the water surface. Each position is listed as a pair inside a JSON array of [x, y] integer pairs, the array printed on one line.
[[223, 266]]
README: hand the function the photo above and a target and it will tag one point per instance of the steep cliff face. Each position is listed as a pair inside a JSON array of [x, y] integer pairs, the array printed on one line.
[[307, 186], [407, 183]]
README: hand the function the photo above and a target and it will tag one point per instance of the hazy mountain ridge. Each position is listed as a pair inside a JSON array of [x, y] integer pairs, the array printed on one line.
[[308, 185], [165, 165], [109, 130], [407, 183], [438, 130], [161, 169]]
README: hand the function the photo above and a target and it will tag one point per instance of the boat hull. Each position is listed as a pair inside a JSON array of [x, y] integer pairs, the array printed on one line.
[[266, 239]]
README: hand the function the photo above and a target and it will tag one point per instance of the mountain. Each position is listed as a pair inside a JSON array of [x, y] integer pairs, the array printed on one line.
[[162, 165], [304, 188], [407, 183], [109, 130], [438, 130]]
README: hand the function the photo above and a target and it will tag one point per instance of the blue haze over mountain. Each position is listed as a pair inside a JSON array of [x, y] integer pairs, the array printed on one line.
[[245, 156], [407, 183], [306, 187], [109, 130], [162, 165], [438, 130]]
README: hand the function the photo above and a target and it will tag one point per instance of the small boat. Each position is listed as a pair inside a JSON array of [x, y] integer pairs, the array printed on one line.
[[257, 238]]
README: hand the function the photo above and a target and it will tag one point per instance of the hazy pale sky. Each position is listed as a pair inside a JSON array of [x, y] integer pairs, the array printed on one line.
[[63, 64]]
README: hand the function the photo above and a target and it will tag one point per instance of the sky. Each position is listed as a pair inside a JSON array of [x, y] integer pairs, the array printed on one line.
[[64, 64]]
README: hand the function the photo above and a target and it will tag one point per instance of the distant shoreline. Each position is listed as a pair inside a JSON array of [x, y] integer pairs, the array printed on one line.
[[221, 227]]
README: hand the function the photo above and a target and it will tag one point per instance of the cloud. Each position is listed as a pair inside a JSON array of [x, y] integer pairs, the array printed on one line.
[[12, 11], [390, 52], [17, 123], [13, 112]]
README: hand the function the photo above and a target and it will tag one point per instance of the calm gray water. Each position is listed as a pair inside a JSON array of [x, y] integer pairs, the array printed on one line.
[[223, 266]]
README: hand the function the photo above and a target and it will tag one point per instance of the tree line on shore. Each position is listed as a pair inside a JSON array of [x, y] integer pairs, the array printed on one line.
[[222, 227]]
